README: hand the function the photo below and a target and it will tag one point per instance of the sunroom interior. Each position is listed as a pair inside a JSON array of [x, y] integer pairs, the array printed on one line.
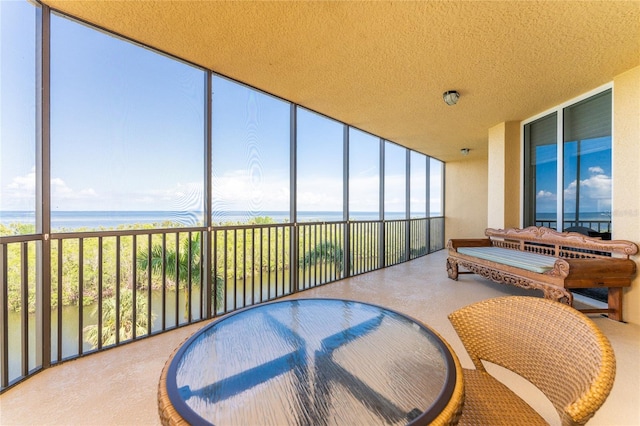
[[380, 70]]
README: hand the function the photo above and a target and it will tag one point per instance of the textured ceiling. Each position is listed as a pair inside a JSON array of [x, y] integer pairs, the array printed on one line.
[[383, 66]]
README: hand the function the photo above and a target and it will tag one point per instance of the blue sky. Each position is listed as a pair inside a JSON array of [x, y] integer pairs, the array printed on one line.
[[127, 131]]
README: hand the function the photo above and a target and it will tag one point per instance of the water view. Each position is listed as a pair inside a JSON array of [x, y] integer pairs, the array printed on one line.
[[96, 220]]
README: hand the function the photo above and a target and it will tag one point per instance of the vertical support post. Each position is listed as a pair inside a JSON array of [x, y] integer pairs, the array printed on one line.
[[407, 206], [4, 319], [43, 194], [381, 230], [294, 236], [209, 280], [428, 202], [346, 261]]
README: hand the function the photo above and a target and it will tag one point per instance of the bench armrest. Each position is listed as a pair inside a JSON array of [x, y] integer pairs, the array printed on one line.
[[469, 242]]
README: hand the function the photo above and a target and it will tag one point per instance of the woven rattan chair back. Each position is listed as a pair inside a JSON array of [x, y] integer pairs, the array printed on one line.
[[558, 349]]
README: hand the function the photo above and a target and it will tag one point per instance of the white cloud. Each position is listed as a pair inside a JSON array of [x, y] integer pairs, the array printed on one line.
[[597, 186], [595, 191], [20, 193], [545, 196], [240, 190]]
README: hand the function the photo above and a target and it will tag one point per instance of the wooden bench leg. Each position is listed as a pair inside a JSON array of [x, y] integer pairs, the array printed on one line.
[[452, 269], [614, 305], [614, 301]]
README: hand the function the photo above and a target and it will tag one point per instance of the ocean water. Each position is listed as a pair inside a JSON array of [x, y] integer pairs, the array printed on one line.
[[73, 220]]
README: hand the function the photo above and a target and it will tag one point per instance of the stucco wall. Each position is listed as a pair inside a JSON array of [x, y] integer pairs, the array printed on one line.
[[466, 198], [504, 176], [626, 175]]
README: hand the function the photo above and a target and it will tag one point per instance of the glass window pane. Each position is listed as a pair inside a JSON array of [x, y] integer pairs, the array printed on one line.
[[436, 188], [127, 133], [364, 176], [587, 163], [418, 185], [17, 118], [250, 155], [541, 175], [395, 181], [319, 167]]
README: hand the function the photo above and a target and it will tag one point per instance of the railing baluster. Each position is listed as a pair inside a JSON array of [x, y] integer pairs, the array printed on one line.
[[134, 287], [59, 307], [189, 277], [263, 249], [99, 293], [117, 289], [163, 264], [81, 294], [177, 279], [149, 285], [24, 306]]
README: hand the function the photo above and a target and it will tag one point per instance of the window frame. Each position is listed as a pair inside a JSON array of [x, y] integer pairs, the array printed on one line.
[[559, 111]]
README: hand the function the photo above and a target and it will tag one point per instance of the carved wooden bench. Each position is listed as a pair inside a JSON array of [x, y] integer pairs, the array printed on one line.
[[553, 262]]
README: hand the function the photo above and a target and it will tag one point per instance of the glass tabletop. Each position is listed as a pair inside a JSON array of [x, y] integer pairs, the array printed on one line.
[[311, 362]]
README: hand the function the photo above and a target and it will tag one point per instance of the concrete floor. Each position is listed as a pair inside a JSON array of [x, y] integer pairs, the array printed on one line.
[[119, 386]]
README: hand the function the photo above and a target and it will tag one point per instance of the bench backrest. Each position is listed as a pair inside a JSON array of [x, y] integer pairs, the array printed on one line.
[[549, 242]]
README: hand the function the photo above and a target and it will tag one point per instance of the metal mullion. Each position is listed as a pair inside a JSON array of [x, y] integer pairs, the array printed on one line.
[[117, 284], [134, 290], [4, 318], [381, 252], [81, 294], [24, 302], [99, 293], [209, 280], [293, 196], [428, 204], [43, 187], [407, 206], [177, 282]]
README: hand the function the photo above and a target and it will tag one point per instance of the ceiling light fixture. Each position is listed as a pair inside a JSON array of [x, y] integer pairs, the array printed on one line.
[[451, 97], [465, 151]]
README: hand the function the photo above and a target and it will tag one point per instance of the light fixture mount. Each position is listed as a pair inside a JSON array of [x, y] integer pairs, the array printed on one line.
[[465, 151], [451, 97]]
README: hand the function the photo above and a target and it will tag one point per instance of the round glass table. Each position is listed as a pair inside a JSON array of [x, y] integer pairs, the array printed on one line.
[[310, 362]]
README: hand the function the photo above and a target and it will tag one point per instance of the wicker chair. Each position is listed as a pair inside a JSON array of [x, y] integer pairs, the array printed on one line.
[[555, 347]]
